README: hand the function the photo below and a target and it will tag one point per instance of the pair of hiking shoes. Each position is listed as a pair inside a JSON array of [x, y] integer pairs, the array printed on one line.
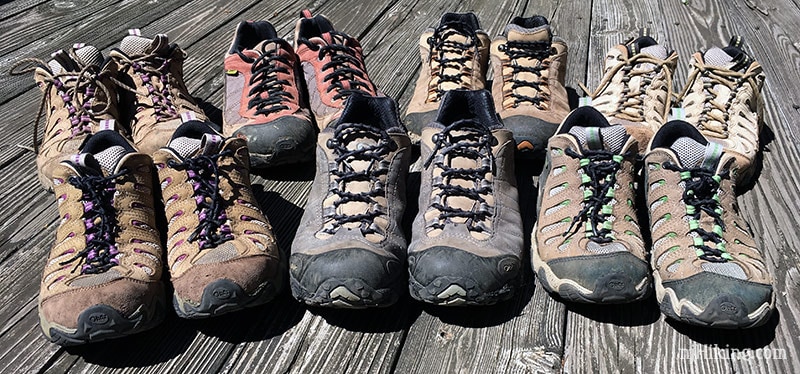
[[588, 244], [103, 277]]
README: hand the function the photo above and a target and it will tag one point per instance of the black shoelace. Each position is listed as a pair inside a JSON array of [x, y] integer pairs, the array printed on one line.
[[346, 67], [539, 50], [265, 71], [203, 173], [473, 141], [440, 44], [599, 180], [701, 195], [344, 174], [100, 219]]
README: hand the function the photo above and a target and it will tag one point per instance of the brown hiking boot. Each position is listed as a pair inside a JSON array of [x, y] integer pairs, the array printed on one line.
[[333, 65], [78, 101], [723, 100], [708, 270], [350, 251], [262, 100], [587, 244], [636, 88], [221, 253], [467, 236], [103, 277], [454, 55], [151, 73], [528, 88]]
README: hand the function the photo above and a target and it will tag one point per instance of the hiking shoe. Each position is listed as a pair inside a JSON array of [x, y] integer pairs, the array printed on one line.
[[636, 88], [78, 100], [333, 65], [467, 236], [155, 97], [587, 244], [221, 253], [723, 100], [102, 279], [349, 251], [454, 55], [263, 102], [707, 268], [528, 88]]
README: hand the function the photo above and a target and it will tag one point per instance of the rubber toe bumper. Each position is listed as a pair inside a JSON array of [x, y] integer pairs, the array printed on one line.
[[285, 140], [531, 134]]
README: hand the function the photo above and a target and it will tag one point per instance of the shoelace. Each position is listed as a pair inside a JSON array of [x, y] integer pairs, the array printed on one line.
[[348, 73], [633, 98], [100, 219], [265, 71], [204, 176], [86, 83], [599, 180], [538, 50], [713, 76], [440, 45], [153, 70], [475, 143], [344, 173], [701, 195]]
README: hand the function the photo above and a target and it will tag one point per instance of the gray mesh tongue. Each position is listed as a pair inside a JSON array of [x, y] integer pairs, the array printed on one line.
[[86, 55], [657, 51], [109, 157], [693, 154], [186, 147], [133, 45], [613, 137], [717, 57]]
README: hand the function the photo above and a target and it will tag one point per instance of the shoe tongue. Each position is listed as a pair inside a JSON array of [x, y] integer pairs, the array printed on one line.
[[657, 51], [647, 45], [692, 153], [135, 45], [334, 38], [207, 144], [610, 138], [719, 58], [81, 56], [538, 33]]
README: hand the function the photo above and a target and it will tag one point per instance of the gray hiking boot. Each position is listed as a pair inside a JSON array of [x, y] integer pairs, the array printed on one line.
[[467, 237], [708, 270], [349, 251], [587, 244]]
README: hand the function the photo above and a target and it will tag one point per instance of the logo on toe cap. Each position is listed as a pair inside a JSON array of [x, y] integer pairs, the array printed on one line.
[[221, 293], [98, 318], [616, 284], [508, 265], [728, 307]]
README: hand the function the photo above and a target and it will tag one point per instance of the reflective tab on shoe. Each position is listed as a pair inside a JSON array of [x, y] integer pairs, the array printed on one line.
[[584, 101], [135, 32], [79, 159], [677, 113], [106, 124], [188, 116], [78, 45], [210, 143], [712, 155], [56, 53]]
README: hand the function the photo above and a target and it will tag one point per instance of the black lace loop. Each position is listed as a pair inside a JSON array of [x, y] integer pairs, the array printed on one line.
[[470, 140], [100, 218], [203, 173], [537, 50], [440, 44], [600, 169], [344, 173], [701, 195], [346, 67], [264, 79]]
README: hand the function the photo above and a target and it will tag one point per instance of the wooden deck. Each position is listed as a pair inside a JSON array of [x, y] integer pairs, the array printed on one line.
[[532, 333]]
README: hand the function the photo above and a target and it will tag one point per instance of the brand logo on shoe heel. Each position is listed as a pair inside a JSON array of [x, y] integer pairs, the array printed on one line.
[[98, 318], [616, 284], [728, 308], [221, 293]]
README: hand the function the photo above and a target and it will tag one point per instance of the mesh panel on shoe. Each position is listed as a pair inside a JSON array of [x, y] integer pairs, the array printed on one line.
[[109, 157], [674, 267], [613, 136], [185, 146], [89, 55], [657, 51], [96, 279], [689, 151], [135, 45], [729, 269], [717, 57], [224, 252], [605, 248]]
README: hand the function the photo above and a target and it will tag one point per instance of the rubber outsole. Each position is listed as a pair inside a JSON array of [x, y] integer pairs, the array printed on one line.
[[611, 289], [724, 312], [458, 291], [348, 293], [224, 296], [102, 322]]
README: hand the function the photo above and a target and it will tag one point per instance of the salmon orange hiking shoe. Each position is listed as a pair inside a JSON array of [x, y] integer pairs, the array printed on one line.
[[263, 99]]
